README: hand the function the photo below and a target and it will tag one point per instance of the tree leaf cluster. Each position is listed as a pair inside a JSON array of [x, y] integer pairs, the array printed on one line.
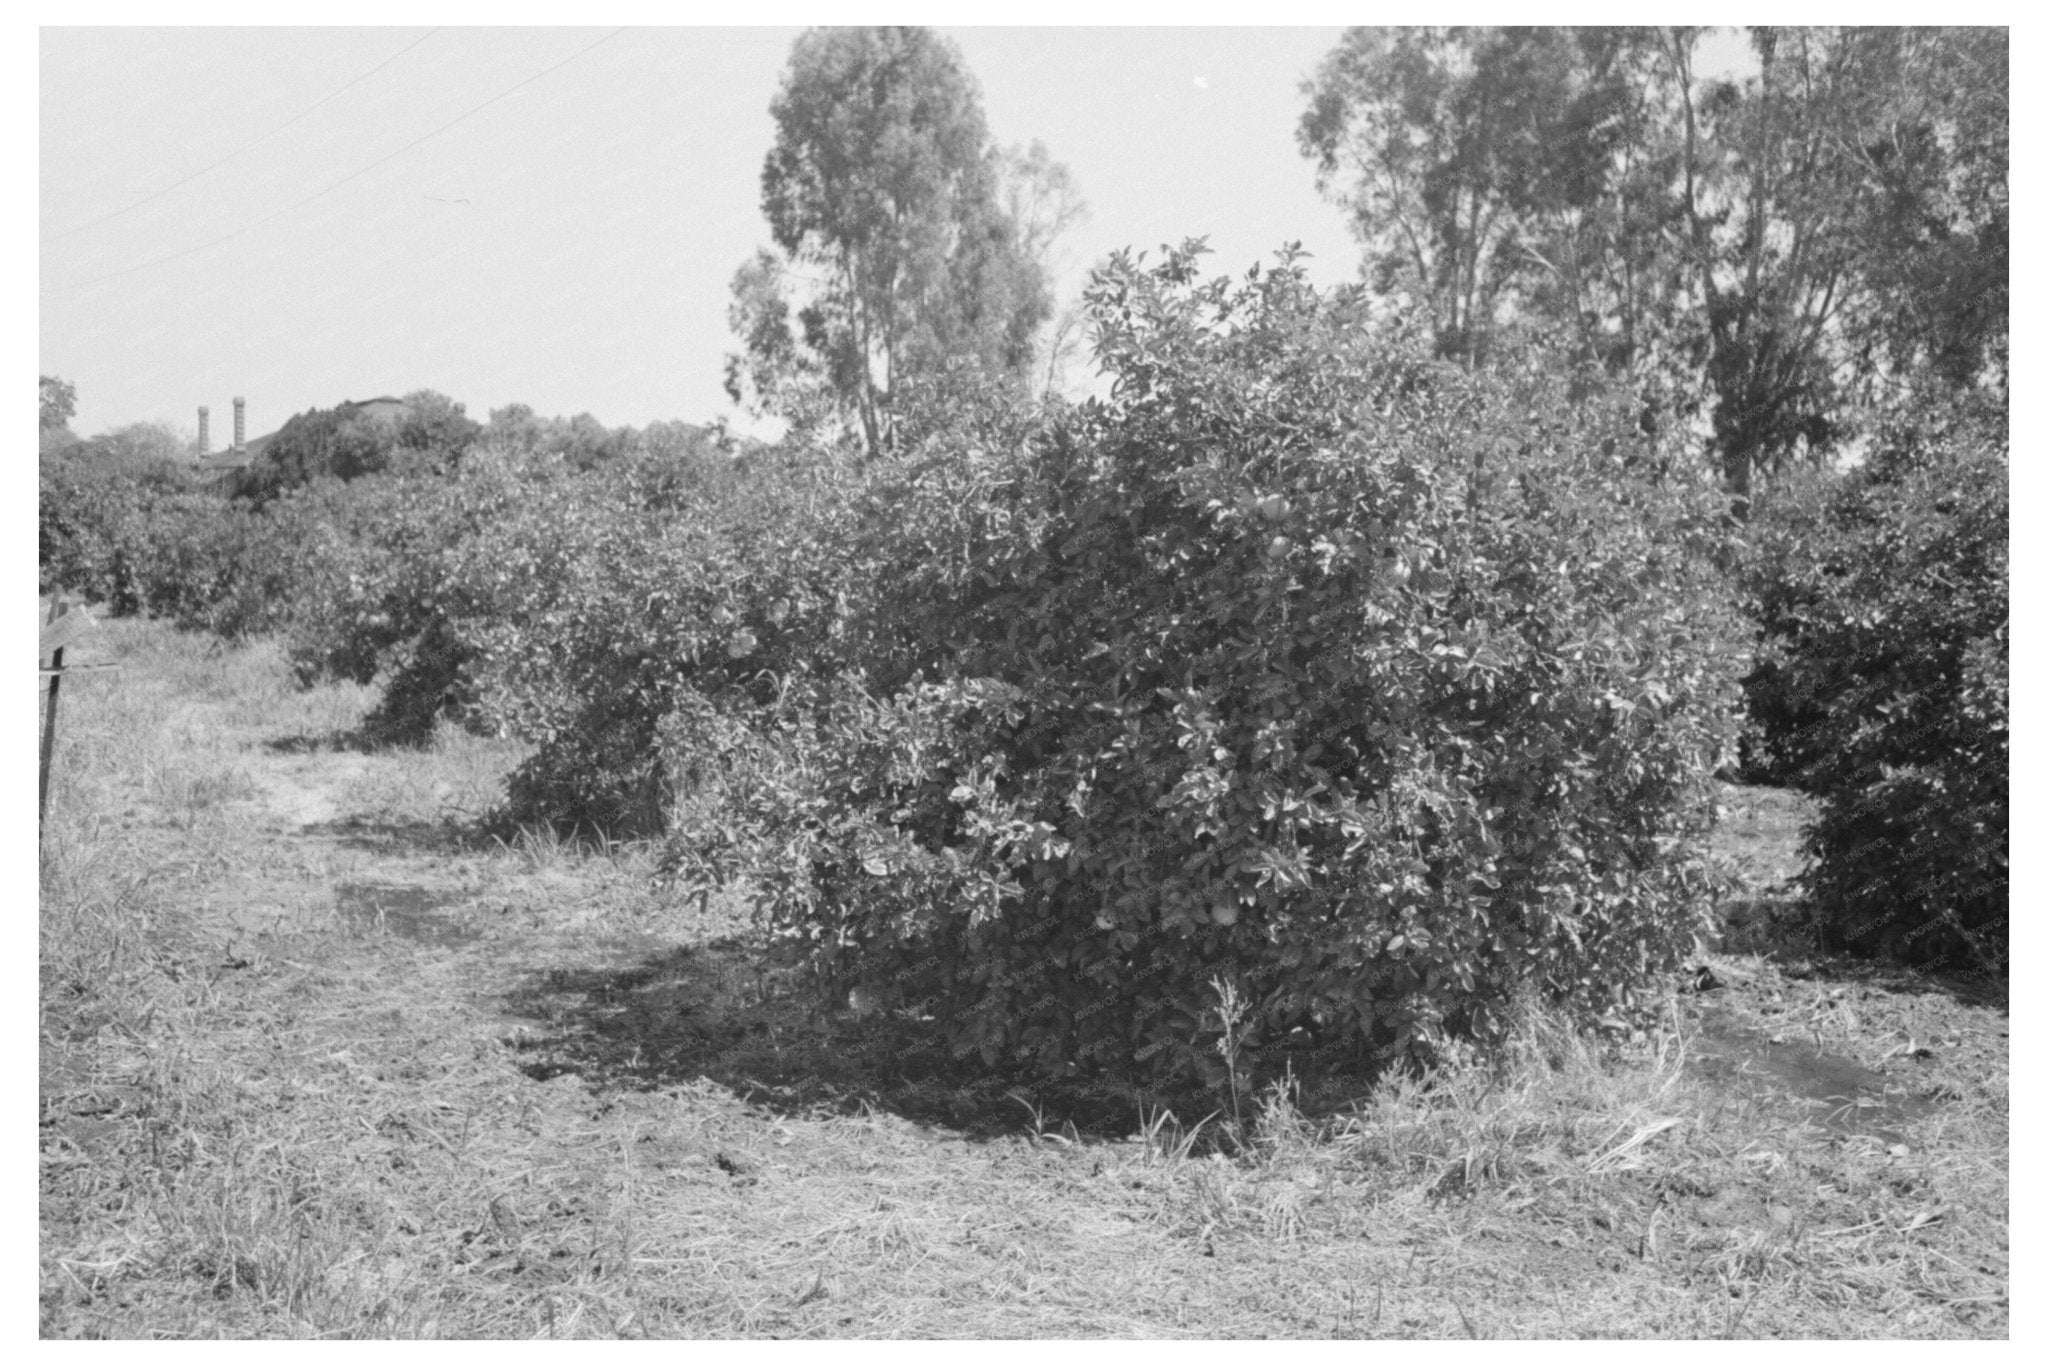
[[1882, 686], [907, 240], [427, 430], [1383, 690], [1768, 252]]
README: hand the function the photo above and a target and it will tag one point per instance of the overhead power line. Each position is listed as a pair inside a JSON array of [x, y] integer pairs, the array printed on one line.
[[158, 194], [353, 175], [154, 195]]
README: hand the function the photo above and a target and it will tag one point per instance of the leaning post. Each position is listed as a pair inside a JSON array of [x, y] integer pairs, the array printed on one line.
[[49, 715], [63, 626]]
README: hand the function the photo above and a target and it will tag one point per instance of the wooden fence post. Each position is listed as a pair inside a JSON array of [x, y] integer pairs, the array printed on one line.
[[49, 717], [63, 626]]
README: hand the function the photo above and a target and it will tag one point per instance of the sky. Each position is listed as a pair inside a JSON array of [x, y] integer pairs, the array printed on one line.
[[550, 216]]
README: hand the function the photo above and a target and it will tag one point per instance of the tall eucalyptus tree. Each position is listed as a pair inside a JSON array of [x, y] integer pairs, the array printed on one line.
[[898, 256], [1770, 246]]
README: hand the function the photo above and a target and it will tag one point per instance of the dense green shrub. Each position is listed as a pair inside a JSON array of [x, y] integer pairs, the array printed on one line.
[[155, 536], [579, 443], [424, 432], [1881, 687], [386, 593], [1375, 690], [101, 509], [1782, 729], [514, 592], [209, 565], [521, 596], [651, 605], [83, 511]]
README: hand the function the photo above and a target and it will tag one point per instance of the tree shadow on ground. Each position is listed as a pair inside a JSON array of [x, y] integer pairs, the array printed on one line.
[[372, 735], [1781, 928], [710, 1012], [415, 837], [352, 741]]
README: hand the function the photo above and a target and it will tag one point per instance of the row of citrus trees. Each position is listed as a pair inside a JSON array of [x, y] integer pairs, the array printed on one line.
[[1382, 693]]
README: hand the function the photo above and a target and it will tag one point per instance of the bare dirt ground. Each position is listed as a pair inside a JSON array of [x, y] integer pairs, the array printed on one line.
[[318, 1059]]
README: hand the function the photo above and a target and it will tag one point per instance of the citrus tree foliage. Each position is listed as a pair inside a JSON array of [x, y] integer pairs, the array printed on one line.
[[97, 507], [1766, 247], [625, 617], [580, 442], [124, 520], [140, 532], [140, 448], [1882, 687], [411, 568], [574, 609], [389, 599], [1378, 690], [883, 195], [348, 442]]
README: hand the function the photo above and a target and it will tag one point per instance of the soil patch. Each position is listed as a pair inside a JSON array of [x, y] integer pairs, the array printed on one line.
[[1843, 1096], [411, 912]]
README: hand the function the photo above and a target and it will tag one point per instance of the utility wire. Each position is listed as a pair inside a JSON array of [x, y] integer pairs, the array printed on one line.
[[353, 175], [153, 197]]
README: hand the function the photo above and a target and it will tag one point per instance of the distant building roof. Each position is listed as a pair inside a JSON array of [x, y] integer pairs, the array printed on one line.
[[232, 459], [375, 407]]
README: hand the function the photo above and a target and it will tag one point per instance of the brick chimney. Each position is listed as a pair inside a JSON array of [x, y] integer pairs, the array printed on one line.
[[238, 426], [202, 431]]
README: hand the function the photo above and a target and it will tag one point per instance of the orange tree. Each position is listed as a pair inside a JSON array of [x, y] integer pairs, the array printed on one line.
[[388, 598], [1376, 690], [1883, 601], [620, 613]]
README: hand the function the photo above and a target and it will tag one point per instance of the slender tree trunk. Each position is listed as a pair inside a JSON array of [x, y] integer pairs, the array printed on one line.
[[1733, 442]]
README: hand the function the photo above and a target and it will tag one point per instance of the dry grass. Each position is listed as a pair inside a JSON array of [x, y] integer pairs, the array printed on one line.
[[319, 1061]]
